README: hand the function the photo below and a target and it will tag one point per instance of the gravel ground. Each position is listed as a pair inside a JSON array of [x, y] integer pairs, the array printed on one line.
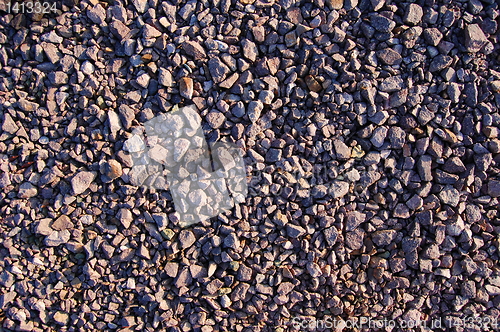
[[371, 136]]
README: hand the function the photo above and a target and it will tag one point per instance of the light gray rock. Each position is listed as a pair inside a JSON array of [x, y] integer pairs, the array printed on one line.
[[218, 70], [450, 196], [475, 38], [254, 110], [81, 181]]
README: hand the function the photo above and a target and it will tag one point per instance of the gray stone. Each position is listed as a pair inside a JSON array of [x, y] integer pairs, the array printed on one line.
[[140, 5], [339, 189], [382, 23], [188, 9], [194, 49], [353, 220], [473, 213], [244, 273], [143, 80], [120, 30], [238, 109], [449, 196], [471, 94], [397, 137], [454, 165], [4, 180], [440, 62], [62, 223], [494, 188], [150, 31], [81, 181], [273, 155], [378, 136], [52, 37], [391, 84], [165, 77], [384, 237], [161, 220], [113, 122], [6, 279], [97, 14], [8, 125], [215, 119], [342, 151], [294, 231], [424, 168], [239, 293], [127, 115], [232, 241], [354, 240], [61, 318], [331, 234], [474, 38], [198, 197], [413, 14], [58, 78], [266, 97], [57, 238], [319, 191], [250, 50], [218, 70], [389, 56], [125, 217], [313, 269], [415, 203], [468, 289], [27, 190], [181, 146], [254, 110], [433, 36], [186, 238], [171, 269]]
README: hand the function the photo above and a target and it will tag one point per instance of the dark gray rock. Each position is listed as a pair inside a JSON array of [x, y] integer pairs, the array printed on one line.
[[194, 49], [424, 168], [474, 38], [494, 188], [382, 23], [391, 84], [294, 231], [215, 119], [384, 237]]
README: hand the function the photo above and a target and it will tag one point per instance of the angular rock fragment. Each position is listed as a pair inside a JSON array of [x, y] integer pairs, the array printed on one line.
[[474, 38], [413, 14], [186, 87], [194, 49], [81, 181]]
